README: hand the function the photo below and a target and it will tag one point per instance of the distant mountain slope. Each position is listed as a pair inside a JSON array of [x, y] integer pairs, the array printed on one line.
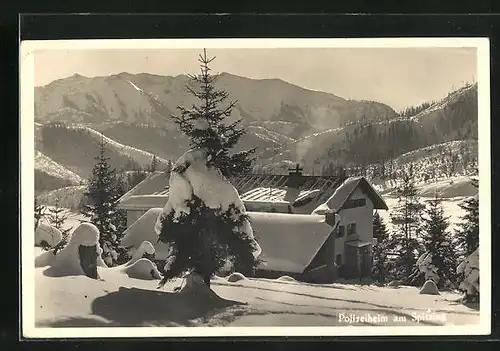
[[287, 123], [68, 197], [49, 166], [440, 161], [76, 146], [50, 175], [453, 118], [151, 99], [170, 144], [135, 110]]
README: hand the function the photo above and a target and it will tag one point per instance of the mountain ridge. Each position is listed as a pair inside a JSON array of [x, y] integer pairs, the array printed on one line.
[[109, 98], [287, 123]]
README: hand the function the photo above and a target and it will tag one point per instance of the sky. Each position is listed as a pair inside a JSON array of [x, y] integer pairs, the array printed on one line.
[[398, 77]]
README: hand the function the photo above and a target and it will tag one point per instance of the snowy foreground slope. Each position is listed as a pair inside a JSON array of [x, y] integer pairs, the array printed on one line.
[[117, 300]]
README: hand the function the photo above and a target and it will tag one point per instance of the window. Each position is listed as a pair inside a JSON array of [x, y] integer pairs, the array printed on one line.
[[354, 203], [351, 228], [340, 231], [338, 260]]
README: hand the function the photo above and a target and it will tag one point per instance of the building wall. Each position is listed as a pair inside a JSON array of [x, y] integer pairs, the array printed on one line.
[[362, 216], [133, 215]]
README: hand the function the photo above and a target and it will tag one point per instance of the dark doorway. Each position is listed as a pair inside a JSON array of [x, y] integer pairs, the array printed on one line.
[[365, 261]]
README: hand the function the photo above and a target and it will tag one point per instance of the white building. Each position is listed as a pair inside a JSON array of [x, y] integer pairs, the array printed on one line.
[[289, 217]]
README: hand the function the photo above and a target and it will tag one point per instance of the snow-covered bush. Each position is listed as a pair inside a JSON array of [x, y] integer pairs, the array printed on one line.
[[139, 266], [142, 269], [438, 261], [47, 236], [429, 288], [468, 272], [427, 268]]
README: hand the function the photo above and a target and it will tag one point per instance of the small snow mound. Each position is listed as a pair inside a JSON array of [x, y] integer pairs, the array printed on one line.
[[286, 278], [234, 277], [47, 234], [394, 283], [146, 248], [142, 269], [86, 234], [429, 288]]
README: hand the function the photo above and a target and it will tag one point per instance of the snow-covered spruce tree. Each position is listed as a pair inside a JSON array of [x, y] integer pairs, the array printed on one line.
[[57, 218], [440, 261], [205, 223], [467, 235], [406, 220], [104, 189], [205, 127], [381, 263]]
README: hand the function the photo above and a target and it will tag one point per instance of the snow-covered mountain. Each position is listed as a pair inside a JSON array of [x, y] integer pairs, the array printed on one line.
[[453, 118], [74, 147], [151, 99], [287, 123], [45, 164], [51, 175]]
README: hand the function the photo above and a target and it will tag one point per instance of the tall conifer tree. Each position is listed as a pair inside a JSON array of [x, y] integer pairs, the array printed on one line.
[[205, 127], [103, 191]]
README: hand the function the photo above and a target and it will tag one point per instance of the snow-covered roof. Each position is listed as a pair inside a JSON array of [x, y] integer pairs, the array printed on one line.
[[143, 202], [147, 194], [274, 194], [344, 191], [258, 191], [289, 242], [266, 206], [358, 243], [154, 190], [143, 230]]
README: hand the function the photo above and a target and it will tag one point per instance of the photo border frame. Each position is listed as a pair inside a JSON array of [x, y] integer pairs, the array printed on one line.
[[484, 193]]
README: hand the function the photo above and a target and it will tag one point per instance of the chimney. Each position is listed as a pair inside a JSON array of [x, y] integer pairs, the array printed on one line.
[[294, 182], [295, 179]]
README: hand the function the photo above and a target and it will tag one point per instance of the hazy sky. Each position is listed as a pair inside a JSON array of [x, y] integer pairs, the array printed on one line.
[[398, 77]]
